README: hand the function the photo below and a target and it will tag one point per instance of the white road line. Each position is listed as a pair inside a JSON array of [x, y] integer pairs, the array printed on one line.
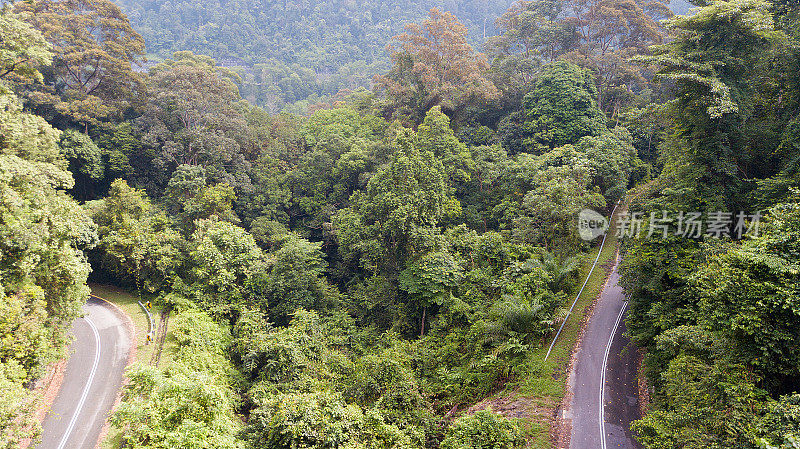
[[602, 419], [602, 244], [86, 388]]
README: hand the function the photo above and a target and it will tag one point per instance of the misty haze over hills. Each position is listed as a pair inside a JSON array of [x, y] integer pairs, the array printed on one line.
[[299, 51], [294, 50], [322, 241]]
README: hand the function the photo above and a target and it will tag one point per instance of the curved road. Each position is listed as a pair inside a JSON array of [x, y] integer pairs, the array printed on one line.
[[92, 379], [603, 383]]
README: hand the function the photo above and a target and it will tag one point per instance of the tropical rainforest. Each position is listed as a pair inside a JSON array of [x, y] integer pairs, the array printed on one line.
[[295, 52], [359, 271]]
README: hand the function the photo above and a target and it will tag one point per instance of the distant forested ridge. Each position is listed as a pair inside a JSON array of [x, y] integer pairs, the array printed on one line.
[[294, 50], [366, 275]]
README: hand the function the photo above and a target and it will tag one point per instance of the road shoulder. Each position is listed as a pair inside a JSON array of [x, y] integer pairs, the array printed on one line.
[[563, 431], [603, 381], [130, 330]]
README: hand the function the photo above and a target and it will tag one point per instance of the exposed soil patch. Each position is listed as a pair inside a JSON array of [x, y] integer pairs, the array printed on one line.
[[511, 406], [644, 388], [48, 387]]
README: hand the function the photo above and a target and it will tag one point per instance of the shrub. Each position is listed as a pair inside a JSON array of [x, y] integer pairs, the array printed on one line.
[[483, 430]]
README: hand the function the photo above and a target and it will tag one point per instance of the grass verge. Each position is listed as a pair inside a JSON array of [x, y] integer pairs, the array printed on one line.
[[542, 388], [127, 301]]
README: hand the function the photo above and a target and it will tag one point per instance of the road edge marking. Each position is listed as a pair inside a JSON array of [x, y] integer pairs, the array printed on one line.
[[602, 411], [86, 388], [588, 276]]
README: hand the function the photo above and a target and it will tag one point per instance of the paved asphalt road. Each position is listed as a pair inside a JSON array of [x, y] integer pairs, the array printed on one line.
[[93, 376], [604, 387]]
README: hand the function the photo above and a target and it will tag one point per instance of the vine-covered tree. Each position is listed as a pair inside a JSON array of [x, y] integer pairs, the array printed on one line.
[[716, 150], [562, 108]]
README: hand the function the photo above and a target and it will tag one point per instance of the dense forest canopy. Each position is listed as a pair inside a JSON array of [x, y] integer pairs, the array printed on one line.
[[290, 51], [300, 53], [364, 274]]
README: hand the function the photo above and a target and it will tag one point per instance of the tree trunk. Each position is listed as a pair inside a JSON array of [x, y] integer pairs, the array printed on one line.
[[422, 323]]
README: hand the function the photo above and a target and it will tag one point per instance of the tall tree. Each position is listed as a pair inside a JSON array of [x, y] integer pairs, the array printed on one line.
[[434, 65], [561, 189], [387, 222], [532, 34], [92, 77], [748, 294], [610, 32], [23, 49], [139, 247], [730, 119], [193, 117], [342, 145], [597, 34], [296, 280], [533, 29], [226, 265], [562, 108]]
